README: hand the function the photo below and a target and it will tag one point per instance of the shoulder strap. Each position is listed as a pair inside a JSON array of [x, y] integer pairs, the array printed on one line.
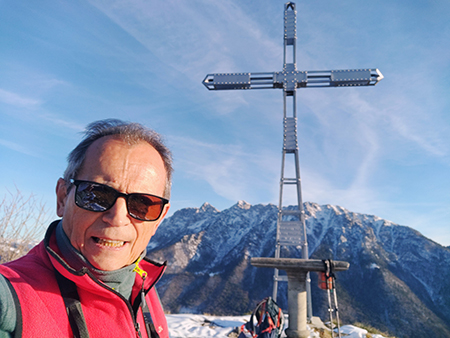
[[141, 302], [18, 329], [73, 306], [149, 325]]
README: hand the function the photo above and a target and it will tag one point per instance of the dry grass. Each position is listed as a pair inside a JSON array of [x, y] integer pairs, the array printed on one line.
[[22, 224]]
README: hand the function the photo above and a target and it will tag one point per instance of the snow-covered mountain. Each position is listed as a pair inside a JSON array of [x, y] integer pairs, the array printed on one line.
[[398, 281]]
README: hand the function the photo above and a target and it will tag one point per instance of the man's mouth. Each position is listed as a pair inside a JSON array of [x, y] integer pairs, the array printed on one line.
[[109, 242]]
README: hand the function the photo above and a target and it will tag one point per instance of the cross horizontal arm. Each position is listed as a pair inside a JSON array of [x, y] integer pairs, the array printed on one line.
[[342, 78], [291, 79], [239, 81]]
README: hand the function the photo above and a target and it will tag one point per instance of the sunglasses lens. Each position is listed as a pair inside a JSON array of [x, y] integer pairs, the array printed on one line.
[[94, 197], [100, 197], [145, 207]]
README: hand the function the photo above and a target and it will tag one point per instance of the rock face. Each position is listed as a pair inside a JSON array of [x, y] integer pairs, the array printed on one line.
[[398, 281]]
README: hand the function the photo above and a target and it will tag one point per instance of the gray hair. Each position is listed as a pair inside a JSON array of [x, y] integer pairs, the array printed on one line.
[[131, 133]]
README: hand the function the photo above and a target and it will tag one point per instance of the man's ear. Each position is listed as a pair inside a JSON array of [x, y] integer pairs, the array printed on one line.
[[165, 211], [61, 196]]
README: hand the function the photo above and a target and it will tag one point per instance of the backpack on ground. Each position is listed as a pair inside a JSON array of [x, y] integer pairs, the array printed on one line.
[[266, 321]]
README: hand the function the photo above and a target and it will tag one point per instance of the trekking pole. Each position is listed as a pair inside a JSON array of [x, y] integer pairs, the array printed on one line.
[[333, 288], [330, 306], [330, 310], [336, 308]]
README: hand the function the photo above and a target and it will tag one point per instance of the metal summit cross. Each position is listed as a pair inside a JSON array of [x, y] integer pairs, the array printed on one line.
[[292, 232]]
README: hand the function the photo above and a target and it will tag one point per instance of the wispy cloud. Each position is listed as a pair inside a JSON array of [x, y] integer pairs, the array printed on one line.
[[17, 147], [18, 100], [60, 122], [197, 40], [418, 123], [227, 168]]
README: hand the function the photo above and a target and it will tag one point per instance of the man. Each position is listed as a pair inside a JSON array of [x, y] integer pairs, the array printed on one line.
[[89, 277]]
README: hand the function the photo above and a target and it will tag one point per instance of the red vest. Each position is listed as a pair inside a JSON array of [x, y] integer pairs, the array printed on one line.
[[106, 312]]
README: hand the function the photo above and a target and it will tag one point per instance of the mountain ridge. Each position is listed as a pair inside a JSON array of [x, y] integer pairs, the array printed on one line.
[[393, 268]]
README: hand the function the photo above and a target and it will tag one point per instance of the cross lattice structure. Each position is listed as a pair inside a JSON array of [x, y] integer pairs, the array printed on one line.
[[291, 229]]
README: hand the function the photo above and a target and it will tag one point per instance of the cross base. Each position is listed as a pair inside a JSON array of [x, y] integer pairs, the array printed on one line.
[[296, 270]]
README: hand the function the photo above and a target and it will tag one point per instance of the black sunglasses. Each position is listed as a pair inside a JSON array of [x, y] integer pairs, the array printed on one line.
[[99, 197]]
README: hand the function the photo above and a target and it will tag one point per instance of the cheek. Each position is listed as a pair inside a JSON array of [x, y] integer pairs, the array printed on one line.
[[75, 225], [144, 232]]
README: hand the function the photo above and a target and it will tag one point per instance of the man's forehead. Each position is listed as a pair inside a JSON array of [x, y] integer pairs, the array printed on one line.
[[110, 150]]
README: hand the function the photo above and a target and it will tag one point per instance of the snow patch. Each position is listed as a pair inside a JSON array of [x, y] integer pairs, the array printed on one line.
[[207, 207], [202, 326], [243, 205], [374, 266]]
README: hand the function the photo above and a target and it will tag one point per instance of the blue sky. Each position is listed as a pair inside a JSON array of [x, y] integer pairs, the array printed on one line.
[[382, 150]]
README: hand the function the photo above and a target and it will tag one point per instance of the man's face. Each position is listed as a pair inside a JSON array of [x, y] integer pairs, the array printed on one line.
[[113, 239]]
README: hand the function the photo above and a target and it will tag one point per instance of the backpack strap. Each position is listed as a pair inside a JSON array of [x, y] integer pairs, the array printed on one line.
[[141, 303], [73, 306], [19, 323], [149, 325]]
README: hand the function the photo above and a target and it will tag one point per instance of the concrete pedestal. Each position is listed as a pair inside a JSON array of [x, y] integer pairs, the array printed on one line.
[[296, 270]]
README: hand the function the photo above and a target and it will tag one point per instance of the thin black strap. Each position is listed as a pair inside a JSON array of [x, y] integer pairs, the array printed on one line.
[[73, 306], [140, 302], [18, 329], [149, 325]]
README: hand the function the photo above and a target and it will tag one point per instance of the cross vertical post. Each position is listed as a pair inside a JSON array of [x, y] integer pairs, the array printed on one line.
[[291, 228]]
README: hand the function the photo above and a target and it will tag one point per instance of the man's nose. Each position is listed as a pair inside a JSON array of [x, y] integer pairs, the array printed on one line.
[[118, 214]]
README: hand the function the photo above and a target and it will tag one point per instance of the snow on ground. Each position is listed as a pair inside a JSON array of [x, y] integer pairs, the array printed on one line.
[[203, 326], [355, 332], [199, 326]]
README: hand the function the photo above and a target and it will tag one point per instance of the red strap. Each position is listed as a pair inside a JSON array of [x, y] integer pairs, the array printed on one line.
[[263, 310], [279, 318]]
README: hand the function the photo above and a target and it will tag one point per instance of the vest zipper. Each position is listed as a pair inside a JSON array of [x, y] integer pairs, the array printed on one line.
[[141, 294], [137, 327]]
